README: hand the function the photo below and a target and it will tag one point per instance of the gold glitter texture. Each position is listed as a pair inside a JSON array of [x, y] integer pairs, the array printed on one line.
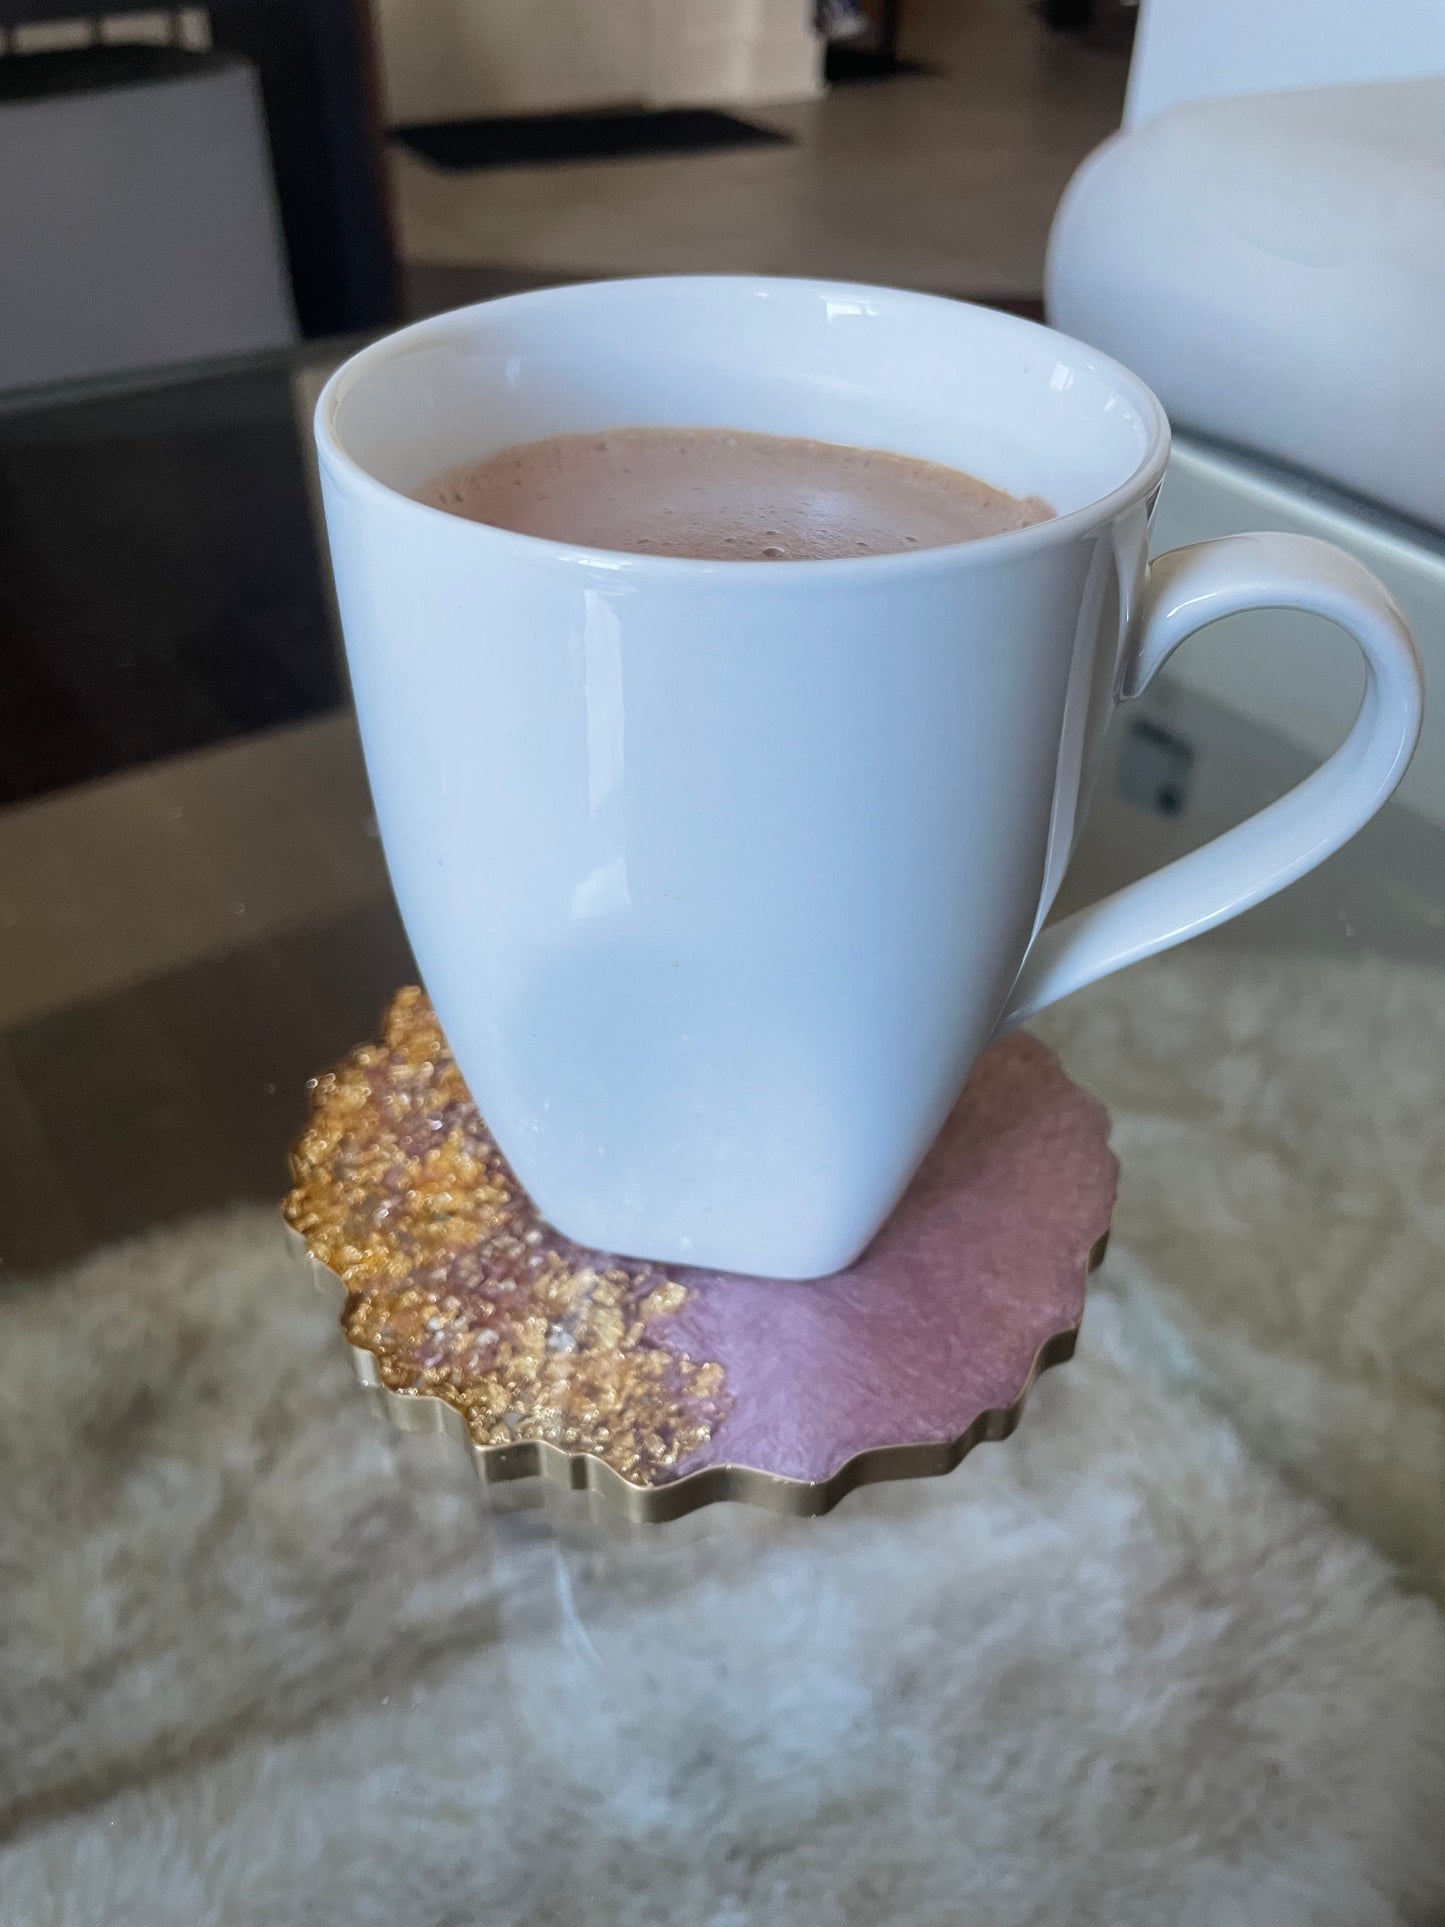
[[458, 1288]]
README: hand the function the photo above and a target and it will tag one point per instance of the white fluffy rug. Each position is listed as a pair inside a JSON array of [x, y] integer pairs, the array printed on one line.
[[264, 1665]]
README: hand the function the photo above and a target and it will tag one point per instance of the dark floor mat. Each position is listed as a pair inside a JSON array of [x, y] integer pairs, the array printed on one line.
[[539, 140], [847, 65]]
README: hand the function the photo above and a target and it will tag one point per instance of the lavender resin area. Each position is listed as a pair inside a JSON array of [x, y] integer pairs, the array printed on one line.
[[458, 1291]]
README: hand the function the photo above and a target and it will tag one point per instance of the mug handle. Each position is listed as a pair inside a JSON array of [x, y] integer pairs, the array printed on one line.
[[1185, 589]]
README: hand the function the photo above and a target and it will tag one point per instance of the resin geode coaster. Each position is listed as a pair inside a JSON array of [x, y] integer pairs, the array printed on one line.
[[667, 1389]]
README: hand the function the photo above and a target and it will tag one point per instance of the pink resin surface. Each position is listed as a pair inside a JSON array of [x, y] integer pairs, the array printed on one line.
[[983, 1263]]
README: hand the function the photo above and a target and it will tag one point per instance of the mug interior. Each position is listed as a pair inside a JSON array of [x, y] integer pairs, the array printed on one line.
[[1014, 403]]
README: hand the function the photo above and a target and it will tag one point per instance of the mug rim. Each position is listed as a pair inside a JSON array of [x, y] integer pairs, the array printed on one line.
[[1147, 473]]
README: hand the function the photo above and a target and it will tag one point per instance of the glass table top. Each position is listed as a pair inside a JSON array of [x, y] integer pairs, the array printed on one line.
[[233, 1594]]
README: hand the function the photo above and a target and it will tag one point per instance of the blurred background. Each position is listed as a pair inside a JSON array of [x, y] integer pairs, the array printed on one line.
[[258, 1662], [421, 151]]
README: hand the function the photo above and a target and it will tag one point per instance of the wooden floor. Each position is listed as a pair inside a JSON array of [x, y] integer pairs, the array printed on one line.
[[944, 178]]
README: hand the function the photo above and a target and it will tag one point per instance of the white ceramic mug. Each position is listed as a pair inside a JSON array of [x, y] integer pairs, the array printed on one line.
[[722, 874]]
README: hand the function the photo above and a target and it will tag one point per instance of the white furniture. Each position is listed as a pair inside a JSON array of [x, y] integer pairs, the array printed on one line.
[[1208, 49], [138, 221], [1274, 267], [1273, 264]]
